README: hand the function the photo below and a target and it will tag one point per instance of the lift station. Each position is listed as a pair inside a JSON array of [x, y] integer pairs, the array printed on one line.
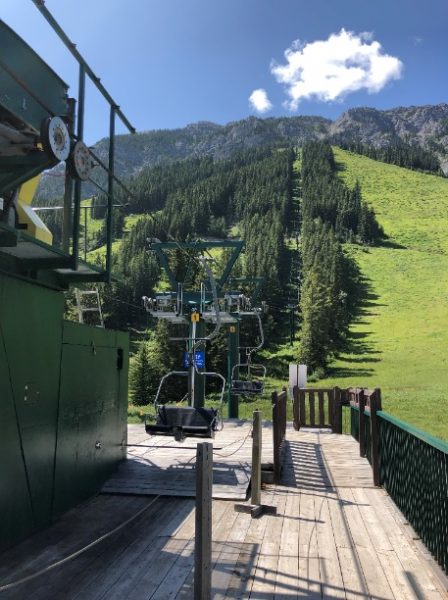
[[63, 386]]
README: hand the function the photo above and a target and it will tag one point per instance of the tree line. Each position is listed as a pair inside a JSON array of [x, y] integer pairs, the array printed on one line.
[[398, 152], [331, 214]]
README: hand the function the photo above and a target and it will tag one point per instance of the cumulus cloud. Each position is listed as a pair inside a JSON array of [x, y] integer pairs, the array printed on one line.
[[259, 101], [330, 69]]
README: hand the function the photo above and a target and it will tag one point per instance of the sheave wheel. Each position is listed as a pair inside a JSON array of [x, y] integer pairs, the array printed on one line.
[[55, 138]]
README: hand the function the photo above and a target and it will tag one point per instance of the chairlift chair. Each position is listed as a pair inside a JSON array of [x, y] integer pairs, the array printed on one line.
[[190, 421], [186, 421], [252, 383]]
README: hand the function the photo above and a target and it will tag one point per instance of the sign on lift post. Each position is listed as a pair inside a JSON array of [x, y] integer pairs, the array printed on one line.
[[199, 359]]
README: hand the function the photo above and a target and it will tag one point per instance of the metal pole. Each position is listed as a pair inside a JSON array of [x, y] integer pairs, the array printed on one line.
[[256, 459], [40, 5], [203, 522], [191, 378], [232, 360], [85, 232], [199, 380], [68, 191], [110, 197], [77, 198]]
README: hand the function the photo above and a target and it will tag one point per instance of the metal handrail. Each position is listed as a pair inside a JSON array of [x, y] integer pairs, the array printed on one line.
[[40, 5]]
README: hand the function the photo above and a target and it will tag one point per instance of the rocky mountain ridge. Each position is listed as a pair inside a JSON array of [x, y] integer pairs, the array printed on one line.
[[426, 126]]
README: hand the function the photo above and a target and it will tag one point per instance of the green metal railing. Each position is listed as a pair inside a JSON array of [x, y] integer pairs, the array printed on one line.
[[414, 471], [413, 468]]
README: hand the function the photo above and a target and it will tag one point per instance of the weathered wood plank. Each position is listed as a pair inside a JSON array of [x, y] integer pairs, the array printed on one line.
[[329, 566], [375, 577], [309, 572], [288, 561], [267, 567]]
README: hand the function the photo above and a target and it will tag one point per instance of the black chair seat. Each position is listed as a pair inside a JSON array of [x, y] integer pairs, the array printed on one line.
[[247, 387], [181, 421]]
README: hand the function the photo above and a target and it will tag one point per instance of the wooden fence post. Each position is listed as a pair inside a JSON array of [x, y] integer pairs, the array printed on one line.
[[295, 408], [276, 434], [256, 459], [362, 422], [375, 406], [302, 410], [203, 522], [337, 411]]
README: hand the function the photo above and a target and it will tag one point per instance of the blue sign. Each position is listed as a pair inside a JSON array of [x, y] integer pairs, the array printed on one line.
[[199, 358]]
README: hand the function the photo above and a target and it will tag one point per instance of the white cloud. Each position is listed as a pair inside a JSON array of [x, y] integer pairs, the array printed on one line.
[[259, 101], [330, 69]]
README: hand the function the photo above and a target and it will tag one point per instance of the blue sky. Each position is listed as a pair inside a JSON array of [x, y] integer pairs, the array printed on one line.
[[172, 62]]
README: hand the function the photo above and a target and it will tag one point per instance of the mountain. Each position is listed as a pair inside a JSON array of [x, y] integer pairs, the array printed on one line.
[[426, 126]]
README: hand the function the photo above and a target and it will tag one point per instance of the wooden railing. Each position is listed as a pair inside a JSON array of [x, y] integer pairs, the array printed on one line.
[[279, 402], [318, 407]]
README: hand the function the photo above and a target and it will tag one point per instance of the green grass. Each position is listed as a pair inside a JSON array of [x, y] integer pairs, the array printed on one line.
[[400, 341], [94, 226]]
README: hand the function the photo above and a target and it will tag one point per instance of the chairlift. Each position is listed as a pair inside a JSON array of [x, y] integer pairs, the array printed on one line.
[[252, 381], [186, 421], [166, 305], [252, 384], [191, 421]]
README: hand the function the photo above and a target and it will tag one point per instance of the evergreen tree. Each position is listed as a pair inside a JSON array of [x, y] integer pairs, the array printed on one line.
[[142, 377]]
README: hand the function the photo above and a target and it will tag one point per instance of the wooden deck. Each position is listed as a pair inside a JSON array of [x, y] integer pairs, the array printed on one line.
[[334, 536], [159, 465]]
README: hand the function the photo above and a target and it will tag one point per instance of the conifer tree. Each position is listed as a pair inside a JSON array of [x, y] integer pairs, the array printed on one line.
[[142, 377]]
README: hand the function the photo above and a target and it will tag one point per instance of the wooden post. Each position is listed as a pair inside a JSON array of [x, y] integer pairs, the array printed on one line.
[[295, 408], [375, 406], [312, 408], [256, 459], [337, 411], [203, 522], [302, 410], [320, 396], [276, 435], [362, 422]]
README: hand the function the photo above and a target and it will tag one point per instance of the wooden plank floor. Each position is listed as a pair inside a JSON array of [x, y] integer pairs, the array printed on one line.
[[334, 536], [159, 465]]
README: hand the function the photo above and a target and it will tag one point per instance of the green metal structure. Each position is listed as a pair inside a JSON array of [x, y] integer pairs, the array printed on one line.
[[37, 130], [63, 407], [196, 300], [63, 386]]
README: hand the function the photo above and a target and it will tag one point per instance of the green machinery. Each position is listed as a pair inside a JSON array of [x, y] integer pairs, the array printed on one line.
[[37, 131], [63, 386], [213, 305]]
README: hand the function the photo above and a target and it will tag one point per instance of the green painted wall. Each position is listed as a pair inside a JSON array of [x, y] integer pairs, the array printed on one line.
[[63, 398]]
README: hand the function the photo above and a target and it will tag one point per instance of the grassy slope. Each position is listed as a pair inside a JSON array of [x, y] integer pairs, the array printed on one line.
[[400, 341]]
